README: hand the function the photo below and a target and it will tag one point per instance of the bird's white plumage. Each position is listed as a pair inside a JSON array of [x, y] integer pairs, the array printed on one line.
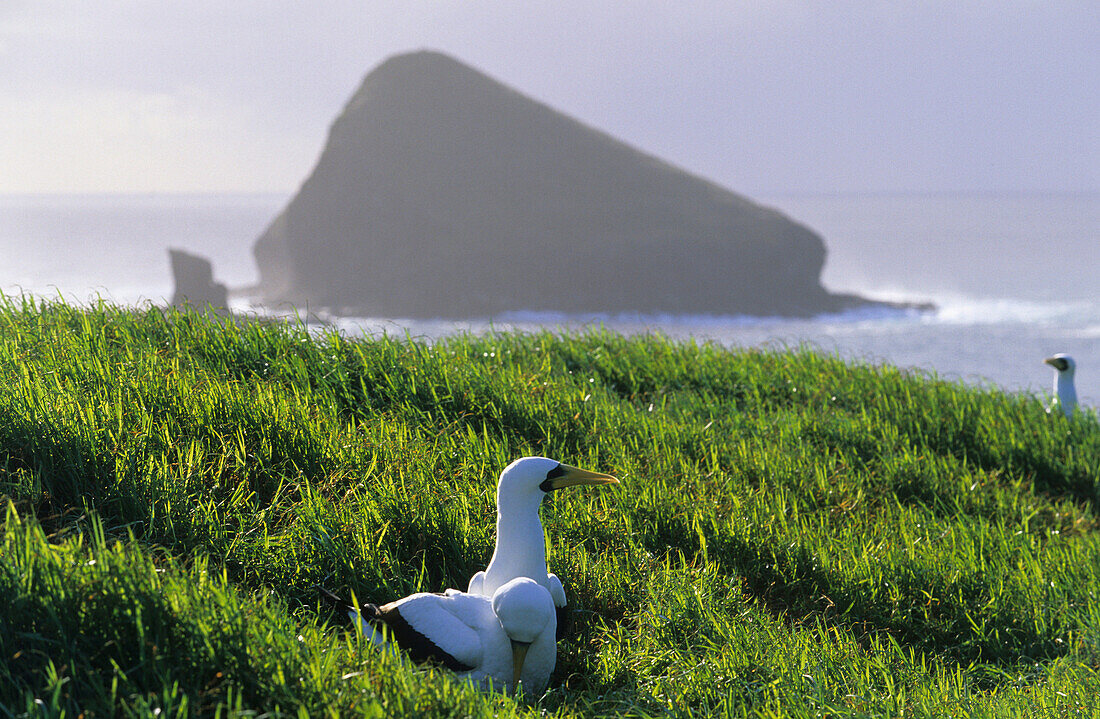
[[479, 631], [1065, 394], [553, 584], [451, 621], [524, 609], [520, 547]]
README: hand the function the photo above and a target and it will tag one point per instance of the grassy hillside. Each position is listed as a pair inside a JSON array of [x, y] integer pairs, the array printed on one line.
[[793, 536]]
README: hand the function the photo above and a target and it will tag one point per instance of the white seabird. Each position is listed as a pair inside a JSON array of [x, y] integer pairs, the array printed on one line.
[[521, 546], [1065, 395], [503, 641]]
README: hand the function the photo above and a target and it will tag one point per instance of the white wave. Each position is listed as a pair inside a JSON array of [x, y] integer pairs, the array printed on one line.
[[947, 309], [957, 308], [962, 310]]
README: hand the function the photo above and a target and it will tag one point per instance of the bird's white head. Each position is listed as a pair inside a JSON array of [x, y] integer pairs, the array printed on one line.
[[525, 482], [1062, 363]]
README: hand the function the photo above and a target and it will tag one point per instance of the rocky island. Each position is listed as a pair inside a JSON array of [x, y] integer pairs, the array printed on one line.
[[443, 193], [193, 277]]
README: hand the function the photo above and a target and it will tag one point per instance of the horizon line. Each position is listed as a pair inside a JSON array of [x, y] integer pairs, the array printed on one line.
[[765, 192]]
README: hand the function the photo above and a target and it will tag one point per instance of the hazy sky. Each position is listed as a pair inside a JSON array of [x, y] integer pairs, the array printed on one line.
[[763, 96]]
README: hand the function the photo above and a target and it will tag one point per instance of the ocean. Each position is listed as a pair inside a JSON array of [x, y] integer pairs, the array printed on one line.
[[1015, 277]]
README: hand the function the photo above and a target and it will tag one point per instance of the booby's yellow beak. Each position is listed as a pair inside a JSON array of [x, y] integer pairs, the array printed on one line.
[[566, 476], [519, 655], [1058, 363]]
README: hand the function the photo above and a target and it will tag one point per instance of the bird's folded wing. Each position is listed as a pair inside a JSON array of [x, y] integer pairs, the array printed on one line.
[[434, 617], [557, 591], [477, 584]]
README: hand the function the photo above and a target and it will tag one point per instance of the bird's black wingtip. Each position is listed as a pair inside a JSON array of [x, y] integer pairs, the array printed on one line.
[[337, 605]]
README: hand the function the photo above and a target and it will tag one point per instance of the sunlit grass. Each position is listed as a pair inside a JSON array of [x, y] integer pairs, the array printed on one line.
[[793, 536]]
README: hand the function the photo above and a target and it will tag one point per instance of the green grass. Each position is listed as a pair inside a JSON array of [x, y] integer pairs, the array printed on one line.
[[793, 536]]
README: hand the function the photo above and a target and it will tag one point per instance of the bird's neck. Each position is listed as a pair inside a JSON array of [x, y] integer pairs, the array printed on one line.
[[1066, 392], [520, 549]]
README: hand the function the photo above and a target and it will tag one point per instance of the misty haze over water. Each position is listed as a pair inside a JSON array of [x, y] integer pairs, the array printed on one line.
[[1015, 276]]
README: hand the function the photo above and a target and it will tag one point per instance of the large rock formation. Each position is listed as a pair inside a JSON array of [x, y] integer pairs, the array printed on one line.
[[443, 193]]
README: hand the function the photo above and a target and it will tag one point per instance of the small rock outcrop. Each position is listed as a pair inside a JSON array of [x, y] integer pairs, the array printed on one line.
[[194, 281], [443, 193]]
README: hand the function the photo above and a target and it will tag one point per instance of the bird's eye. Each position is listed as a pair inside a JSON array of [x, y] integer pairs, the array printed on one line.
[[547, 485]]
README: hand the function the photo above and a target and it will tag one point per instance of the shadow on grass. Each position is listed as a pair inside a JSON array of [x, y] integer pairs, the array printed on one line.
[[59, 472]]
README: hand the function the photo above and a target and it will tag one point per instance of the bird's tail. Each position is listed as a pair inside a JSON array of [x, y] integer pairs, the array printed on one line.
[[371, 631], [367, 618], [334, 603]]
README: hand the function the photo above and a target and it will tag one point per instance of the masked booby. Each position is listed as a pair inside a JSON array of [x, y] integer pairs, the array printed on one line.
[[521, 546], [504, 641], [1065, 395]]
